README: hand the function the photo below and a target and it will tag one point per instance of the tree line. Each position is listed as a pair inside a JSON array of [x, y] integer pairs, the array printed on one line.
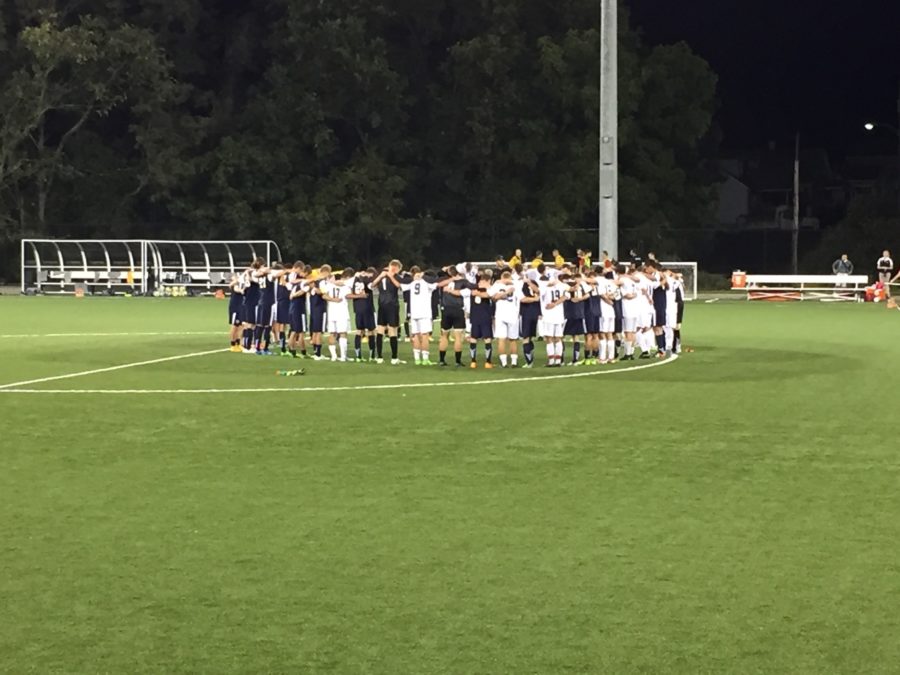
[[345, 130]]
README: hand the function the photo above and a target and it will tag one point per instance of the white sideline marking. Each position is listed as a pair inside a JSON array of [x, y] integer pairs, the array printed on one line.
[[75, 335], [364, 387], [711, 301], [9, 387]]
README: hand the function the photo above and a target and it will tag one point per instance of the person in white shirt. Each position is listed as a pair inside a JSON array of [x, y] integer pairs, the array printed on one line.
[[631, 311], [885, 267], [507, 296], [607, 289], [420, 315], [645, 340], [337, 293], [553, 322]]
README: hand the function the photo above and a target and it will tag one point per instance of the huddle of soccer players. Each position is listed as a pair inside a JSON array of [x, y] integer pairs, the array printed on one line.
[[601, 310]]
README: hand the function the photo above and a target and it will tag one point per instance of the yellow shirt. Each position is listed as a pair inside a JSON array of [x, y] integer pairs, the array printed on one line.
[[559, 260], [587, 261], [515, 260], [536, 262]]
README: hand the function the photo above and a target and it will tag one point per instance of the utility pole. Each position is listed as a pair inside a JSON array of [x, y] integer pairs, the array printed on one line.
[[795, 228], [608, 217], [898, 147]]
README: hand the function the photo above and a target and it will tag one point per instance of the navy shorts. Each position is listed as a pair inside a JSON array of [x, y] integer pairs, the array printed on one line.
[[660, 320], [574, 327], [235, 314], [283, 313], [317, 322], [298, 317], [680, 312], [262, 315], [528, 327], [617, 307], [483, 330], [365, 320], [591, 324]]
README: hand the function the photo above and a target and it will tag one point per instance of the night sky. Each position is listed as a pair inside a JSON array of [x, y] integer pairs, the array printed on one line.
[[821, 67]]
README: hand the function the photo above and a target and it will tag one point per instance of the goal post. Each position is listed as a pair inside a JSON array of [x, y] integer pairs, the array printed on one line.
[[120, 266]]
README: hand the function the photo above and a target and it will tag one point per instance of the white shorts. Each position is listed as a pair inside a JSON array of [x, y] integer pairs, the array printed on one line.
[[552, 330], [421, 326], [671, 319], [607, 324], [629, 324], [645, 320], [505, 330], [338, 325]]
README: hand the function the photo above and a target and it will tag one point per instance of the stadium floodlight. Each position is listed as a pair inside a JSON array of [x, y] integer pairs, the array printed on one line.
[[869, 126]]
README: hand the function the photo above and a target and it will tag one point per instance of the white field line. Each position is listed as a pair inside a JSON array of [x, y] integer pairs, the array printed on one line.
[[12, 385], [77, 335], [365, 387]]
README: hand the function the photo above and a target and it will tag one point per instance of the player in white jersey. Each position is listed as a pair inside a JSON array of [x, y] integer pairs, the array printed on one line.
[[631, 310], [420, 315], [607, 290], [644, 334], [553, 297], [507, 296], [337, 293]]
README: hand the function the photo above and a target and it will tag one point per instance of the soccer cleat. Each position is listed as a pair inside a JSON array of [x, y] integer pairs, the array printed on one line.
[[473, 365], [459, 365], [236, 349], [428, 362], [395, 362], [442, 364], [379, 360], [343, 360], [489, 365], [419, 362], [528, 365]]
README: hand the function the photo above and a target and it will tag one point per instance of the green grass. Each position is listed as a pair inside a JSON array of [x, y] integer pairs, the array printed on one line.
[[734, 511]]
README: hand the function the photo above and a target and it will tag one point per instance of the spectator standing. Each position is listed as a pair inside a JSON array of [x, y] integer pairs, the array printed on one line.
[[842, 267], [885, 268]]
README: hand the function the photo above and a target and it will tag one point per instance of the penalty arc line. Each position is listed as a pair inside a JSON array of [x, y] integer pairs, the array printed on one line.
[[11, 386], [363, 387]]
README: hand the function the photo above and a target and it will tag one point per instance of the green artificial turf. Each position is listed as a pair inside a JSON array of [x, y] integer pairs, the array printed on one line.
[[734, 511]]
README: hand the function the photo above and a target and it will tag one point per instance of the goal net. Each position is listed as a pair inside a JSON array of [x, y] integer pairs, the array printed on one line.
[[118, 266]]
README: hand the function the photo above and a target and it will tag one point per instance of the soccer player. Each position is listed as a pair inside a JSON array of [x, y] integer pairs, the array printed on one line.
[[529, 319], [631, 310], [453, 315], [282, 317], [364, 310], [297, 290], [318, 308], [336, 293], [507, 295], [660, 305], [573, 309], [645, 286], [481, 316], [251, 300], [608, 290], [553, 298], [421, 319], [388, 286], [235, 304], [591, 318]]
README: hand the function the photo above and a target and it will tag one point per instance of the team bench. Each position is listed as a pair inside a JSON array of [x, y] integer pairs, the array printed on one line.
[[828, 287]]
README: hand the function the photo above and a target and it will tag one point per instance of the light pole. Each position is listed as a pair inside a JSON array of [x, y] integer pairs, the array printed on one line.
[[608, 193]]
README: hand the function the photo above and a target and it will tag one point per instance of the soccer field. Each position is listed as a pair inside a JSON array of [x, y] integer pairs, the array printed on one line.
[[734, 510]]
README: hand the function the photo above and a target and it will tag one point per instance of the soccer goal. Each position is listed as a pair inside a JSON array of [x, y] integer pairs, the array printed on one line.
[[119, 266]]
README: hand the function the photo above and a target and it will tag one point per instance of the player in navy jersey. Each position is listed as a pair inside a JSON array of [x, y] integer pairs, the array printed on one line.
[[282, 320], [318, 309], [235, 311], [481, 316], [529, 318], [298, 289], [574, 313], [660, 284], [364, 311], [453, 315], [251, 300], [592, 319]]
